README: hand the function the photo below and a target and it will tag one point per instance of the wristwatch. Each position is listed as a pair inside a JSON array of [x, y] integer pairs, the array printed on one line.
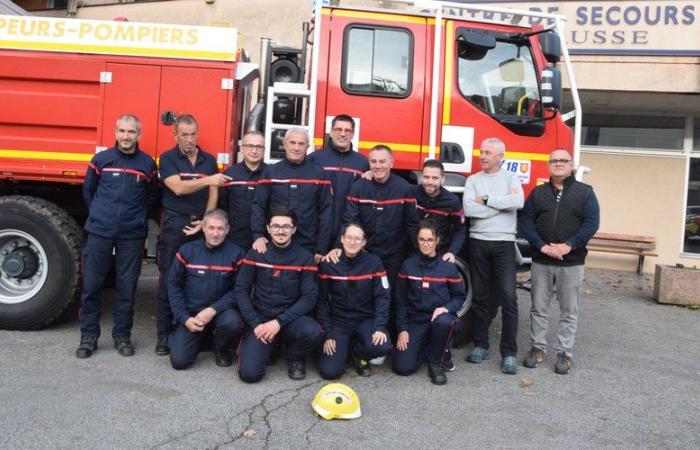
[[485, 198]]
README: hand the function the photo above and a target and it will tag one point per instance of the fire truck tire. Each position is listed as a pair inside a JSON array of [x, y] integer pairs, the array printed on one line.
[[39, 262], [463, 269]]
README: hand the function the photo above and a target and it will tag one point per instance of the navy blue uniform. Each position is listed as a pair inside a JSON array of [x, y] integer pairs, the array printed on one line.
[[178, 212], [342, 168], [203, 277], [118, 190], [236, 198], [353, 303], [424, 285], [278, 284], [445, 210], [302, 188]]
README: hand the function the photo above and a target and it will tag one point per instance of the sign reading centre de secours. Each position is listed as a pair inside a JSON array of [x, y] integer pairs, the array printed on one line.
[[123, 38], [620, 27]]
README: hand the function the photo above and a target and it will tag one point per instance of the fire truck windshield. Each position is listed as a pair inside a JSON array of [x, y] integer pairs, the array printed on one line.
[[500, 81]]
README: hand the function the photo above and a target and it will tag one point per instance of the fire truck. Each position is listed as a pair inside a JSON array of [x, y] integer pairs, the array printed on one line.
[[429, 79]]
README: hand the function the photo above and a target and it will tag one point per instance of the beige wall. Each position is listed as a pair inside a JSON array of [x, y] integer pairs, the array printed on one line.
[[640, 195]]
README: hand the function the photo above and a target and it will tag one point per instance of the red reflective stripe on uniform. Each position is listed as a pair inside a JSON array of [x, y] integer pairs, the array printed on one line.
[[250, 262], [367, 276], [344, 169], [205, 267], [293, 180], [194, 175], [434, 279], [138, 173], [392, 201], [441, 212], [94, 167], [240, 183], [181, 259]]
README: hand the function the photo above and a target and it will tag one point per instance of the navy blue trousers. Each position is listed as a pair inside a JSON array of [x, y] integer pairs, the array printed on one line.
[[333, 366], [186, 345], [426, 342], [97, 260], [171, 239], [300, 337]]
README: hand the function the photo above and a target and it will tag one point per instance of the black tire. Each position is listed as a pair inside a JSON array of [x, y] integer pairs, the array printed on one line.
[[59, 237], [465, 314]]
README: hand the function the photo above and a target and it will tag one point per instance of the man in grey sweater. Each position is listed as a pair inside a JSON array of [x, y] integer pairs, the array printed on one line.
[[491, 200]]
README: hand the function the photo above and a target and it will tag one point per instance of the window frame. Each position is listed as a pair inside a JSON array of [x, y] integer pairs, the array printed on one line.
[[344, 62]]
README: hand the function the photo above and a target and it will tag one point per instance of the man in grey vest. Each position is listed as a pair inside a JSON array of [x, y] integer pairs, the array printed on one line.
[[558, 220]]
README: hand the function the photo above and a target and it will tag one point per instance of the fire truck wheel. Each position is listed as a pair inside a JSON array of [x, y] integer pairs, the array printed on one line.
[[39, 262], [463, 269]]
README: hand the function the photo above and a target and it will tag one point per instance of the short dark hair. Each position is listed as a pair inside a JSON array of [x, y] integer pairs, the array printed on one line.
[[428, 224], [343, 118], [380, 147], [353, 224], [282, 211], [187, 119], [435, 164]]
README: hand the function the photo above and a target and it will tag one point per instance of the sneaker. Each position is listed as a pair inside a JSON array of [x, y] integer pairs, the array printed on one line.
[[477, 355], [296, 370], [124, 346], [448, 364], [87, 347], [509, 365], [534, 358], [564, 364], [362, 367], [377, 361], [223, 359], [437, 374], [162, 347]]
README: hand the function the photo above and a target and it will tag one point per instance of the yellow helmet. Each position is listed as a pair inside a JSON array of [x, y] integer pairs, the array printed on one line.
[[337, 401]]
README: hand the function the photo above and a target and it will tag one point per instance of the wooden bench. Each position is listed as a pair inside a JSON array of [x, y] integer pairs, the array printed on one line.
[[624, 244]]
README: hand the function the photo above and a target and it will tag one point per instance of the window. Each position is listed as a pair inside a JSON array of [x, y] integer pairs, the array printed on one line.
[[378, 61], [501, 81], [691, 238], [646, 132]]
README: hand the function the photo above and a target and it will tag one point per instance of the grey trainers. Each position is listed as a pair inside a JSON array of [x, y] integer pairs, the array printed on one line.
[[509, 365], [564, 364], [534, 358], [477, 355]]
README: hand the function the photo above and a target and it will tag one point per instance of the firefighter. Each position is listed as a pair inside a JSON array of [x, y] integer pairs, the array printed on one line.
[[275, 292], [119, 189], [429, 294], [297, 184], [492, 198], [353, 304], [201, 293], [341, 163], [236, 196], [191, 188]]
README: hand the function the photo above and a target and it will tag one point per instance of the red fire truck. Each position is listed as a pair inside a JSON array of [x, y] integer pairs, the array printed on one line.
[[430, 79]]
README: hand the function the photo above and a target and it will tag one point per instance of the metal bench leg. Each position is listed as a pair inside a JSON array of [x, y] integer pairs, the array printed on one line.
[[640, 265]]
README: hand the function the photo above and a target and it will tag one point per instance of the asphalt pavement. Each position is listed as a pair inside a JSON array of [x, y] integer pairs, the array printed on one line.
[[636, 384]]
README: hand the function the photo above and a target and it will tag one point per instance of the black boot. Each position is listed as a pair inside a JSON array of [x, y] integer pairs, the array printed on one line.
[[437, 374], [296, 370], [86, 348], [123, 345], [162, 347]]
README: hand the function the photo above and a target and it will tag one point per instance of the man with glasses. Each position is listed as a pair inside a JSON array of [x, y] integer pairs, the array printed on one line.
[[559, 218], [275, 292], [491, 200], [301, 186], [236, 196], [341, 163]]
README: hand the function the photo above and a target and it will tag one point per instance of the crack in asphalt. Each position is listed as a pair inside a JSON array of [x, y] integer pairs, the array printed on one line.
[[308, 430]]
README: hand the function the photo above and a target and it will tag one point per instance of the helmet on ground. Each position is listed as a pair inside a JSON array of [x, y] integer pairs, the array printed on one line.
[[337, 401]]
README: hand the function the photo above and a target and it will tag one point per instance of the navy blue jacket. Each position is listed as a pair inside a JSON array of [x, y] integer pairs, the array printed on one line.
[[174, 162], [351, 291], [387, 211], [304, 189], [236, 198], [423, 285], [445, 210], [118, 190], [342, 168], [201, 277], [278, 284]]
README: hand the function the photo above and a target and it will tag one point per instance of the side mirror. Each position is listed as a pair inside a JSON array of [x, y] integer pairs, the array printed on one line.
[[551, 88], [551, 46], [474, 44]]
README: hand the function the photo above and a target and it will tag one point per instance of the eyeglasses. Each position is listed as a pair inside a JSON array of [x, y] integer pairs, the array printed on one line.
[[278, 227], [426, 241], [343, 130], [253, 147], [559, 161]]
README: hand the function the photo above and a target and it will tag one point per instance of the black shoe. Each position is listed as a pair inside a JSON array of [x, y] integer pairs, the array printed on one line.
[[86, 348], [162, 347], [223, 359], [123, 346], [296, 370], [437, 374], [448, 364], [362, 367]]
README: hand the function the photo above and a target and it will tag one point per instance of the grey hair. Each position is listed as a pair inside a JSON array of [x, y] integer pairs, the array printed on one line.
[[299, 131], [216, 214], [496, 143], [129, 118]]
